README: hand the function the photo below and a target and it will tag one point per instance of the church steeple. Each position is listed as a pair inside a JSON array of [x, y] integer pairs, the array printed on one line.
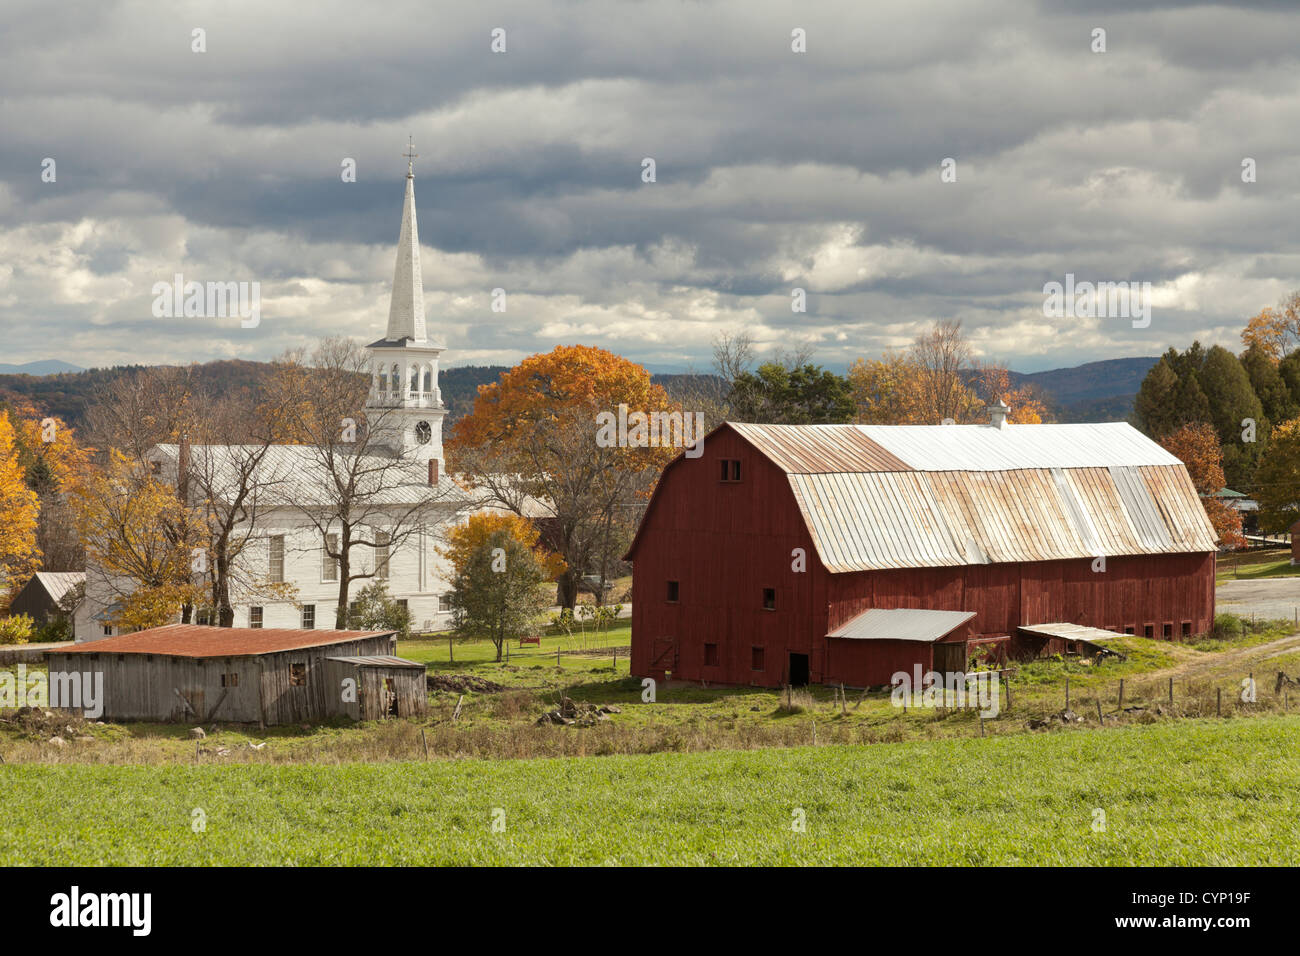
[[406, 310], [405, 400]]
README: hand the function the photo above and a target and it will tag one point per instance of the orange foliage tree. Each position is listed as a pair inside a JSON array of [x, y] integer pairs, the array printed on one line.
[[1197, 447], [530, 445]]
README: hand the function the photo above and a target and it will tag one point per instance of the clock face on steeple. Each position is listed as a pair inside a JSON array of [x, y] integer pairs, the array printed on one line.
[[423, 432]]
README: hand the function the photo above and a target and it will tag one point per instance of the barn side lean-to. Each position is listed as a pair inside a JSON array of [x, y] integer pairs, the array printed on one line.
[[767, 559]]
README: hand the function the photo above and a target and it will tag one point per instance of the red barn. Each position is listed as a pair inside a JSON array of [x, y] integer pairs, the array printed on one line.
[[769, 558]]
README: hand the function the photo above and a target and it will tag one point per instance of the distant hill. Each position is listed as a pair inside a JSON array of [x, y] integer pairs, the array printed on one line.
[[1095, 392], [44, 367]]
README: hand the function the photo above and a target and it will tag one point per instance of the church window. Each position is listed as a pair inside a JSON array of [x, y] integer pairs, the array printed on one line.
[[277, 558], [329, 566], [308, 616], [255, 616], [381, 554], [444, 602]]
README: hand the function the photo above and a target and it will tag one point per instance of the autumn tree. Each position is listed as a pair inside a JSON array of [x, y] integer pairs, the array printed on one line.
[[141, 541], [464, 539], [19, 556], [1275, 331], [1197, 447], [530, 446]]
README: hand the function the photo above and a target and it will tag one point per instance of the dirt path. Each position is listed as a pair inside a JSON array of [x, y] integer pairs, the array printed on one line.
[[1233, 662]]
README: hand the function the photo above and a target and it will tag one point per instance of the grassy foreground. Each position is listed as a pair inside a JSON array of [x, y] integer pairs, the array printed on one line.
[[1192, 792]]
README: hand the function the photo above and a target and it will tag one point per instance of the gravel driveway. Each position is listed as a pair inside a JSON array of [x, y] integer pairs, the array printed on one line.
[[1268, 597]]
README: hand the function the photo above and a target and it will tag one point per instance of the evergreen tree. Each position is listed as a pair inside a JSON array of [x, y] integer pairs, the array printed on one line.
[[1289, 370], [1236, 414], [1153, 410], [1272, 391]]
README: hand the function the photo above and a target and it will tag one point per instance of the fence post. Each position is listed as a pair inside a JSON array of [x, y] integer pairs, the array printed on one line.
[[1171, 692], [1218, 702], [1067, 693], [1121, 694]]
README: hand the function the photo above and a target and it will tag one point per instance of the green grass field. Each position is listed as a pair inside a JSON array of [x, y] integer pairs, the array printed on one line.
[[1187, 792]]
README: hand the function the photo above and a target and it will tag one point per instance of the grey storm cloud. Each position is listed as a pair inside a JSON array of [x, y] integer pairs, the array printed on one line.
[[775, 170]]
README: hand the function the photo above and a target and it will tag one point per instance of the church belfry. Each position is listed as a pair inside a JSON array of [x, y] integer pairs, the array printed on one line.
[[404, 394]]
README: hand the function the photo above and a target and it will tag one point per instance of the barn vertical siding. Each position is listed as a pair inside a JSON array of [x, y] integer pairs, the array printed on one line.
[[725, 542]]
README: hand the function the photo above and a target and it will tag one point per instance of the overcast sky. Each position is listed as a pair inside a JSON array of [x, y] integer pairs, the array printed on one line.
[[774, 169]]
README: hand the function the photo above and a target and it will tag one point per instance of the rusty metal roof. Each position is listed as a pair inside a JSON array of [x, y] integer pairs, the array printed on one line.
[[944, 495], [197, 640], [376, 660], [901, 624], [820, 449]]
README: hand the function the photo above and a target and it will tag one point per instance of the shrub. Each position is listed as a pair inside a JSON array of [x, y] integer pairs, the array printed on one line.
[[374, 610], [1226, 627], [16, 629]]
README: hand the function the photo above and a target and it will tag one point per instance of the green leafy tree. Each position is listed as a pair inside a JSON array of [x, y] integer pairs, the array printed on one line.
[[805, 395], [373, 609], [499, 591]]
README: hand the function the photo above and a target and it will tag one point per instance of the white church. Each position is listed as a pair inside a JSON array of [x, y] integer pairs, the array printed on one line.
[[286, 547]]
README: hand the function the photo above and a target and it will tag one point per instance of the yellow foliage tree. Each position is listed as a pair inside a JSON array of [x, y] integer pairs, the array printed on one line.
[[141, 540], [464, 539], [19, 510]]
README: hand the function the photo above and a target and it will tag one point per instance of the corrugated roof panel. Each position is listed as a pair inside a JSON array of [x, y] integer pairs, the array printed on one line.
[[819, 449], [1180, 508], [373, 660], [1148, 524], [985, 448], [901, 624], [199, 640]]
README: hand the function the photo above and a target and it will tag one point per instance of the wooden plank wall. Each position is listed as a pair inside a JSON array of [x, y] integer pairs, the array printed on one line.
[[725, 542]]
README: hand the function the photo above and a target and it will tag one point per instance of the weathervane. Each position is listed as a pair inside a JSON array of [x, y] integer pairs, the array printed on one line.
[[410, 155]]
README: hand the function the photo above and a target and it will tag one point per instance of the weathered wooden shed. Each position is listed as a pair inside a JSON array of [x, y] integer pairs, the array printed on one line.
[[189, 672], [754, 559], [385, 686]]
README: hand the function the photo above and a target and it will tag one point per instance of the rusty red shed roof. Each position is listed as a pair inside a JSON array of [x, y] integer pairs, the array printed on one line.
[[198, 640]]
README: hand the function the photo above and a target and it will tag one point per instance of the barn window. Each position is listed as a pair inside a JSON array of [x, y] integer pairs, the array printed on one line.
[[121, 658], [1187, 628], [297, 675], [1169, 629], [673, 590], [277, 558], [1128, 629], [711, 655], [308, 616], [730, 470], [756, 658], [1148, 630], [769, 599], [254, 617], [230, 680]]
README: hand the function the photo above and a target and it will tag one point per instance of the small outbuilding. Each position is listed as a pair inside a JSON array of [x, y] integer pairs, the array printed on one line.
[[190, 672]]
